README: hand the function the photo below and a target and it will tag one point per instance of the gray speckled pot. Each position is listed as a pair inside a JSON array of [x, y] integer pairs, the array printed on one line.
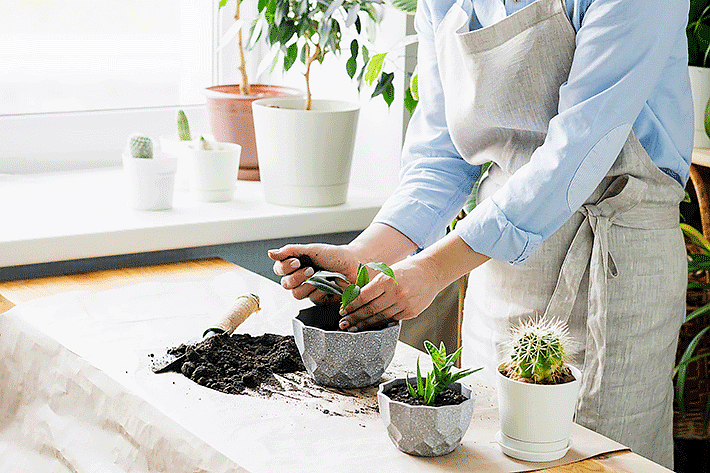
[[425, 431], [342, 359]]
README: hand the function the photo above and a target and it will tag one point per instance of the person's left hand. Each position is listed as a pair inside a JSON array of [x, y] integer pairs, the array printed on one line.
[[384, 299]]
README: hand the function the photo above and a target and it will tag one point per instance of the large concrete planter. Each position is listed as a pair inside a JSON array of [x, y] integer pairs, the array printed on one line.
[[305, 156], [232, 120], [342, 359], [536, 419], [425, 431]]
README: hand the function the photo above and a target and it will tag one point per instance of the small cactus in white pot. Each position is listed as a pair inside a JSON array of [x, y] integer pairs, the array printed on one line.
[[537, 391], [150, 177]]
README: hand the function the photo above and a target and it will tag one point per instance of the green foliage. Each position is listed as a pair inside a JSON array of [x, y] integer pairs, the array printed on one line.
[[538, 350], [140, 146], [696, 262], [441, 375], [324, 280], [698, 32], [183, 126], [310, 29]]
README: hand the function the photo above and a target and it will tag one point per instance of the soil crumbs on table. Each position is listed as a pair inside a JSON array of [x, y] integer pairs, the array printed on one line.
[[235, 363]]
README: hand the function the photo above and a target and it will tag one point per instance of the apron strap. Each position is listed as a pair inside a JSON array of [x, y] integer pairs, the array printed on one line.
[[619, 205]]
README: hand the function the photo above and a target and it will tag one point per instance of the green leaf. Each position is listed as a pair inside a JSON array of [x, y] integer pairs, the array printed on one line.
[[429, 391], [365, 54], [329, 287], [290, 56], [349, 294], [222, 3], [388, 95], [414, 86], [437, 358], [409, 102], [358, 25], [410, 388], [351, 67], [354, 48], [420, 380], [383, 268], [262, 4], [374, 67], [385, 81], [408, 6], [363, 277], [462, 374]]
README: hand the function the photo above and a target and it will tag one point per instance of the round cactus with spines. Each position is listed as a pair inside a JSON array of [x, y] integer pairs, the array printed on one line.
[[140, 146], [538, 351]]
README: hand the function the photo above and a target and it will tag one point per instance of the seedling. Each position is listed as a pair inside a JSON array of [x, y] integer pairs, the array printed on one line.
[[140, 146], [183, 126], [538, 351], [440, 377], [324, 280]]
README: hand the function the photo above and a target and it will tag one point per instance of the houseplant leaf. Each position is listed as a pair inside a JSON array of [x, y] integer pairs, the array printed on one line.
[[350, 294]]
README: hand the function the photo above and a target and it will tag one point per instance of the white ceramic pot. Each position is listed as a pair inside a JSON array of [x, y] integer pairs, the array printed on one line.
[[700, 88], [535, 419], [305, 156], [174, 146], [151, 182], [213, 173]]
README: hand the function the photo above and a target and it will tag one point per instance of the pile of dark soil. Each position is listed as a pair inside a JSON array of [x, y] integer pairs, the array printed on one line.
[[232, 364], [447, 397]]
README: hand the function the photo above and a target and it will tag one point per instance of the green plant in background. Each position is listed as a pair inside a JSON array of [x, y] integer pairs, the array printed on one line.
[[696, 262], [440, 377], [140, 146], [310, 29], [538, 351], [698, 32], [323, 280], [183, 126]]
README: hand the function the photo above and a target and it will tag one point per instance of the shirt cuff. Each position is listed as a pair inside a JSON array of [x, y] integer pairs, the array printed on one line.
[[417, 221], [488, 231]]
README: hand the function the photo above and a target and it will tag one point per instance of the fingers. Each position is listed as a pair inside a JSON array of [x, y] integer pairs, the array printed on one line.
[[368, 316]]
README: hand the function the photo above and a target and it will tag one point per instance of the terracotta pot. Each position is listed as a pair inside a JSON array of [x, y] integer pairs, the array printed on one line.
[[231, 119]]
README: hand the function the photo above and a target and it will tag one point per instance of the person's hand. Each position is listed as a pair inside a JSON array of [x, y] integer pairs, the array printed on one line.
[[297, 263], [384, 299]]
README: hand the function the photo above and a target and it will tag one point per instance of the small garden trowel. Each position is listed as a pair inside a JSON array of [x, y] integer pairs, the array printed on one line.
[[242, 308]]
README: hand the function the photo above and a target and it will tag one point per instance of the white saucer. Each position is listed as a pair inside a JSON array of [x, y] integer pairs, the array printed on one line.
[[531, 456]]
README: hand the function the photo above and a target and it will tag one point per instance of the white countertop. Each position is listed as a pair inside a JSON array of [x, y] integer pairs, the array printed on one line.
[[83, 214]]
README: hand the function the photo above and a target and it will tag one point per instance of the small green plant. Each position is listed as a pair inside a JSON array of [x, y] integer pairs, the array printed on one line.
[[323, 280], [440, 377], [140, 146], [696, 262], [538, 351], [698, 33], [183, 126]]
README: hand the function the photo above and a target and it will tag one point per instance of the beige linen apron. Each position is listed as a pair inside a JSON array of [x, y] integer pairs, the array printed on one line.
[[616, 270]]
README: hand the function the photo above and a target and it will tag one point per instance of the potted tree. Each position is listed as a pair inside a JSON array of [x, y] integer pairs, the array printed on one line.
[[229, 105], [537, 391], [339, 358], [428, 416], [698, 32], [306, 145]]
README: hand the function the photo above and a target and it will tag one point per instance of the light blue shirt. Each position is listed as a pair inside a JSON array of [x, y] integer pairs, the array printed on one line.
[[630, 69]]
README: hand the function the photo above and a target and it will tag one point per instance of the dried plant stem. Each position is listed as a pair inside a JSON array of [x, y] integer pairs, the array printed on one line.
[[245, 88]]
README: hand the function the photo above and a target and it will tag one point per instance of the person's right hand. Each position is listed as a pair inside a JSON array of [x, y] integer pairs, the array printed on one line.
[[289, 263]]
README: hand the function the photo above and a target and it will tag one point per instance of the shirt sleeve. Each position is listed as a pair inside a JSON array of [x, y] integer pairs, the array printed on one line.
[[435, 181], [622, 49]]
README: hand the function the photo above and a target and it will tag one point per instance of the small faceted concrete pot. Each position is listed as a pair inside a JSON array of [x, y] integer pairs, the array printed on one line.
[[536, 419], [425, 431], [342, 359]]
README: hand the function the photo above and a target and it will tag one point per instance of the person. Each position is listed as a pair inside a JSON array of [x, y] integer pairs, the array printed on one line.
[[584, 109]]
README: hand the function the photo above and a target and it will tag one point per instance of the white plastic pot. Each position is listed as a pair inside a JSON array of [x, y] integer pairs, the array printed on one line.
[[536, 419], [212, 173], [305, 156], [700, 88], [151, 182]]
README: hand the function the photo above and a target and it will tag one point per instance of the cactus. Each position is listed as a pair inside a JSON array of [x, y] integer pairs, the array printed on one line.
[[141, 146], [538, 351], [183, 126]]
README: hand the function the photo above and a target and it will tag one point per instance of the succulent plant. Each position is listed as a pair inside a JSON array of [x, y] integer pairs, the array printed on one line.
[[538, 351], [141, 146], [183, 126], [440, 377]]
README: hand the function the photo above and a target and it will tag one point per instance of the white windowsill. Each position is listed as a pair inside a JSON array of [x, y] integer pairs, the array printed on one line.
[[84, 214]]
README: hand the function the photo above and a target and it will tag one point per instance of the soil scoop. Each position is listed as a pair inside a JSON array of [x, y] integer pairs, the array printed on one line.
[[242, 308]]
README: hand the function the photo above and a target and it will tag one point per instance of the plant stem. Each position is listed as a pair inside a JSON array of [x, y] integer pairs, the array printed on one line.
[[309, 60], [245, 88]]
